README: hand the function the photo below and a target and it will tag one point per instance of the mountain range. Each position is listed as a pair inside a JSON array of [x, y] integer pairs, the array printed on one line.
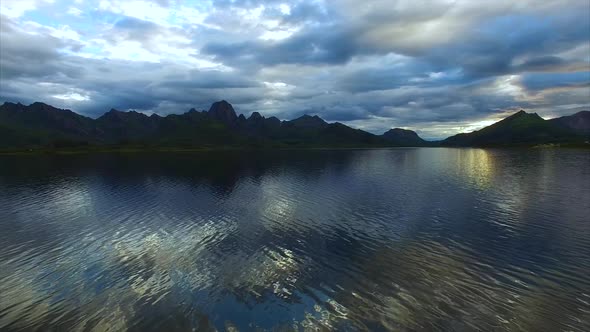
[[526, 129], [43, 126]]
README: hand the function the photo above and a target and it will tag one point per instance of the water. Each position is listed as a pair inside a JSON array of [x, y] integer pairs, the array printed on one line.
[[400, 239]]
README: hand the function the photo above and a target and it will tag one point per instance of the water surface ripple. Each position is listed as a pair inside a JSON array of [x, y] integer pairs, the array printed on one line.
[[385, 239]]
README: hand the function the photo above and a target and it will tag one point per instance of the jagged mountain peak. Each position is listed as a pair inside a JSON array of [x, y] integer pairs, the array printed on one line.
[[308, 121], [522, 114], [12, 106], [255, 116], [40, 104], [220, 125], [223, 111], [114, 115]]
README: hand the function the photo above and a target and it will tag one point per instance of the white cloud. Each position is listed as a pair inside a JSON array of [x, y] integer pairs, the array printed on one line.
[[66, 32], [285, 9], [72, 96], [74, 11], [144, 10], [16, 8], [278, 34]]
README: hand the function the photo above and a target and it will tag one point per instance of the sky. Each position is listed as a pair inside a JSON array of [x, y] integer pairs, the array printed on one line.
[[439, 67]]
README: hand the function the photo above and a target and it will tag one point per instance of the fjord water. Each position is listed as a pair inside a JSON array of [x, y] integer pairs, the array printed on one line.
[[385, 239]]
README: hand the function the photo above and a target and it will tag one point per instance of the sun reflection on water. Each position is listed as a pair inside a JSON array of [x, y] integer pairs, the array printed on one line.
[[476, 166]]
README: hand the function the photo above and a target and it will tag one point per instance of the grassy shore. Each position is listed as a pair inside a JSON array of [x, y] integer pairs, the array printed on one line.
[[149, 149], [164, 149]]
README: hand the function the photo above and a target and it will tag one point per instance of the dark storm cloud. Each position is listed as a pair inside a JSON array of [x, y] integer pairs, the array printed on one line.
[[208, 80], [541, 63], [149, 34], [34, 56], [384, 77], [542, 81], [489, 51], [493, 50], [331, 45]]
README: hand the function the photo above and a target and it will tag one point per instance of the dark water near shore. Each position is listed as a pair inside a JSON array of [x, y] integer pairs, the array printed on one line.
[[401, 239]]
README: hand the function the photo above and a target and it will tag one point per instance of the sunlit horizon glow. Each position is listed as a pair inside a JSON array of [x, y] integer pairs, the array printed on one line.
[[441, 69]]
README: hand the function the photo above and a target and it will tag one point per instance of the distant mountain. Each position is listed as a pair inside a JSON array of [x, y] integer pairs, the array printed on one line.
[[579, 122], [520, 129], [403, 137], [223, 112], [39, 126], [126, 126], [308, 122]]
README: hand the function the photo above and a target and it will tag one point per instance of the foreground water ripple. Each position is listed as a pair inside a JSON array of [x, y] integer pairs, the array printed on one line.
[[391, 239]]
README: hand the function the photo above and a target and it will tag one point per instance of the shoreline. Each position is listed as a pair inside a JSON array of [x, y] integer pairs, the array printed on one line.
[[124, 150]]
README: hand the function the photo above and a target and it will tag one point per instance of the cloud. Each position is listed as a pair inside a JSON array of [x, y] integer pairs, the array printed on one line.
[[309, 47], [17, 8], [374, 65]]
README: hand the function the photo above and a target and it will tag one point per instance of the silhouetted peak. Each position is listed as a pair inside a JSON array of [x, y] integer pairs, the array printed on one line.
[[273, 121], [339, 125], [8, 103], [403, 136], [580, 114], [579, 122], [401, 131], [130, 113], [111, 115], [221, 106], [522, 115], [255, 116], [519, 113], [12, 106], [117, 115], [223, 102], [39, 106], [307, 116], [48, 110], [223, 111], [309, 121]]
